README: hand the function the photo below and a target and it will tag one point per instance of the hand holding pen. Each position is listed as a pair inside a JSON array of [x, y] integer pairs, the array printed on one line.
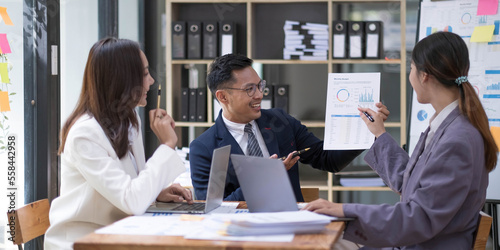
[[376, 123], [297, 153], [289, 160], [366, 114]]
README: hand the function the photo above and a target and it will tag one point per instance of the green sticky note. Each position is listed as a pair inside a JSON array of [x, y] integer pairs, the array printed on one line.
[[482, 34], [4, 73]]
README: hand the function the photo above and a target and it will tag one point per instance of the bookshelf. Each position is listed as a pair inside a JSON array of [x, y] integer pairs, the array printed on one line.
[[260, 36]]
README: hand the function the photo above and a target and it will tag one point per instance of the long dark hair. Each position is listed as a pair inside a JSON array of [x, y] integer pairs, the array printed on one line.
[[112, 88], [445, 56]]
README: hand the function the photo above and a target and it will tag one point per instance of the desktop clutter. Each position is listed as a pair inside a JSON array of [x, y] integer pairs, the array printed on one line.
[[273, 217]]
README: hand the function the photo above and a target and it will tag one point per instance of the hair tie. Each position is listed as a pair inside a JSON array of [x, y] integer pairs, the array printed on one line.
[[461, 80]]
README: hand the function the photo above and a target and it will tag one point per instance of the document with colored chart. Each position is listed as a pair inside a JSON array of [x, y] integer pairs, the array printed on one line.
[[344, 128]]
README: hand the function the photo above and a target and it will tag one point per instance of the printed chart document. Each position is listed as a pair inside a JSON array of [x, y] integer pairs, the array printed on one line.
[[344, 129]]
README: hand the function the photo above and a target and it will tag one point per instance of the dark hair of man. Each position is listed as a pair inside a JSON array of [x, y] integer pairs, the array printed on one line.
[[112, 88], [445, 56], [220, 72]]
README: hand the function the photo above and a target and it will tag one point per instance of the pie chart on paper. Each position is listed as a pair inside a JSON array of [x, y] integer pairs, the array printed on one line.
[[343, 95], [422, 115]]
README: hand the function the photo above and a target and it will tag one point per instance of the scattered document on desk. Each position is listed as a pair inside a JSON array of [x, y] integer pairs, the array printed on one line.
[[228, 208], [210, 235], [273, 223], [216, 230], [147, 225], [344, 128], [185, 225]]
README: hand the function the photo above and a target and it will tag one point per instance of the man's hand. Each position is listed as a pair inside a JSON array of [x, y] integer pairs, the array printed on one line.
[[289, 161], [175, 193]]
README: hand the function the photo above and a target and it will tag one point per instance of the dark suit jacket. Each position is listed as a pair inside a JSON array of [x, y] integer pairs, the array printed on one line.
[[282, 134]]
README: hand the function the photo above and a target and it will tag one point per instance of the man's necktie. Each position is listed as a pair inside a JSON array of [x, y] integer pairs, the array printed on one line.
[[253, 148]]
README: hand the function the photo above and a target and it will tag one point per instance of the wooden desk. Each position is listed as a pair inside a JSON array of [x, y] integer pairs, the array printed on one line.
[[94, 241]]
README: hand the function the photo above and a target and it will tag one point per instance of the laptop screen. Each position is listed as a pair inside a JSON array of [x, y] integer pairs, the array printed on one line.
[[217, 180], [264, 183]]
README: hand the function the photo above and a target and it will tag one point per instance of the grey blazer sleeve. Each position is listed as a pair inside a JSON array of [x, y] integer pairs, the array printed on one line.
[[440, 200], [389, 160]]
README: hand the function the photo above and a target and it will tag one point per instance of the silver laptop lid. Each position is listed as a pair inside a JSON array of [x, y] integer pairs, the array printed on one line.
[[264, 183], [217, 179]]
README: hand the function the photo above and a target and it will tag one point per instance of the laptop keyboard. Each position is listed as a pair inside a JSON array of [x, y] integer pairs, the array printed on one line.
[[193, 207]]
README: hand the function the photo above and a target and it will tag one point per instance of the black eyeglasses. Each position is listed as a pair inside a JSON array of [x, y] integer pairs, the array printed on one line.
[[253, 88]]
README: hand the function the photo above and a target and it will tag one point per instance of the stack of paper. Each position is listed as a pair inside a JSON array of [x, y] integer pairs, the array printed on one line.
[[274, 223], [305, 41]]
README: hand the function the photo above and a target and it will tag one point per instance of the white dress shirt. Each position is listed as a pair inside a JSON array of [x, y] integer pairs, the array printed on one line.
[[437, 119], [237, 131]]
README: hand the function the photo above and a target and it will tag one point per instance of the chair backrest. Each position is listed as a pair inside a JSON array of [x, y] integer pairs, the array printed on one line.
[[29, 221], [310, 194], [483, 230]]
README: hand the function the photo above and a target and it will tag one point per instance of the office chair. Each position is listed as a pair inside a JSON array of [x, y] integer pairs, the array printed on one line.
[[29, 222], [483, 230], [310, 194]]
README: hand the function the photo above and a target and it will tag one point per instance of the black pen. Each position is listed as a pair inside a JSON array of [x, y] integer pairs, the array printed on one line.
[[367, 115], [296, 153]]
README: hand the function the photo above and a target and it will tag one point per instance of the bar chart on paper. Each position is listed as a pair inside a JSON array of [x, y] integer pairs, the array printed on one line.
[[493, 86], [344, 129], [490, 95]]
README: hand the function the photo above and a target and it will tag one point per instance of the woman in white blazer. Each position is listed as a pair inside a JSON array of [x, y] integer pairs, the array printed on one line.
[[104, 174]]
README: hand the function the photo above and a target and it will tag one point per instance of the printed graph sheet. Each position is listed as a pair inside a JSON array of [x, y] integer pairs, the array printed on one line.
[[344, 129], [460, 17]]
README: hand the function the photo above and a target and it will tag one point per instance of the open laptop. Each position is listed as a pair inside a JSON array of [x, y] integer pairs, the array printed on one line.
[[215, 192], [264, 183]]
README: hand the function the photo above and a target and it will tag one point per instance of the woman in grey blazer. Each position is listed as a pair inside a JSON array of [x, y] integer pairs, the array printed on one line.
[[443, 184]]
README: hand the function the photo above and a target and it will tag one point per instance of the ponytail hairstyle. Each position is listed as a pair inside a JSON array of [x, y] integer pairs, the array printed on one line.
[[445, 56], [112, 88]]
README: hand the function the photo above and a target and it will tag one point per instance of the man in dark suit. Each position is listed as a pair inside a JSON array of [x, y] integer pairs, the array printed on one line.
[[272, 133]]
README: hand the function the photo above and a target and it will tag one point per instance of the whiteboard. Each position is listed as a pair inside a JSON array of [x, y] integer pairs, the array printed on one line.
[[460, 18]]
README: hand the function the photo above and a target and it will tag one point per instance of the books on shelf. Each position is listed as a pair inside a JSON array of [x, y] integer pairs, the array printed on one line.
[[298, 47], [307, 36], [305, 32], [305, 54], [305, 41], [296, 25]]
